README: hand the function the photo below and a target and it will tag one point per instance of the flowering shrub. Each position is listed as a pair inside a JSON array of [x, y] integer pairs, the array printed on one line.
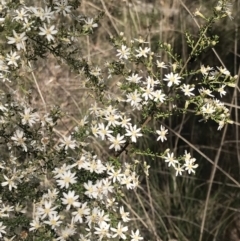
[[58, 188]]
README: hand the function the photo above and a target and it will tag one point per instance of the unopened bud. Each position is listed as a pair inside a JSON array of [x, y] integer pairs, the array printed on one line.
[[197, 13]]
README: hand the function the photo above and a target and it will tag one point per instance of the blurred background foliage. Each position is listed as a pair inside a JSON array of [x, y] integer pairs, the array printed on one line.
[[165, 207]]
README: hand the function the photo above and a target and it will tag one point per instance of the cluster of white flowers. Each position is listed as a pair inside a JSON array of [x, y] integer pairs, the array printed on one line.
[[189, 163], [70, 192], [34, 21], [68, 205], [225, 7], [78, 217], [151, 91]]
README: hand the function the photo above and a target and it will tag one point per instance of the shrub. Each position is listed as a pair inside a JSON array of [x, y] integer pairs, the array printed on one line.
[[54, 186]]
